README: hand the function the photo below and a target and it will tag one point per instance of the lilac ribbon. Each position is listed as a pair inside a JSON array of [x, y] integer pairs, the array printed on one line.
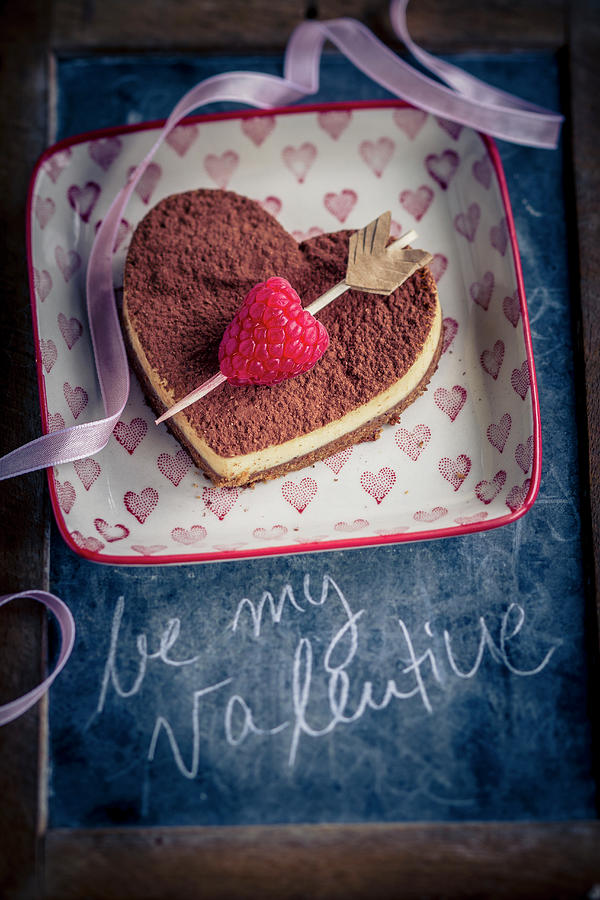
[[467, 101], [16, 708]]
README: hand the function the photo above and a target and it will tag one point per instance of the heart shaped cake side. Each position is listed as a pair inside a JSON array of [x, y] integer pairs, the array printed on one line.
[[192, 261]]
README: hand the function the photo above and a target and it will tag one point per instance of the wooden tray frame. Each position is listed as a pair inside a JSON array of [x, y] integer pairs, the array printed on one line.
[[513, 860]]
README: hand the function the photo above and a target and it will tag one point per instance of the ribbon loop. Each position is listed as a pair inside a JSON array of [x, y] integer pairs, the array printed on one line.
[[16, 708]]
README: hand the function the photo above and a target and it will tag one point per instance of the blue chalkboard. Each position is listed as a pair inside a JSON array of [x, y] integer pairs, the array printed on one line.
[[441, 680]]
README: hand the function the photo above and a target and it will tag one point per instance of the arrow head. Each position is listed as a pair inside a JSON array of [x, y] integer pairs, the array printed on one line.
[[376, 267]]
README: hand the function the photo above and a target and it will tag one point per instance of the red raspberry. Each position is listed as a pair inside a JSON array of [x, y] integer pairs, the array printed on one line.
[[271, 338]]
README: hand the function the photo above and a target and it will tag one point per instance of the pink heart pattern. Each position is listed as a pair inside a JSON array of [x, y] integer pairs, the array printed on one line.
[[430, 515], [334, 122], [524, 454], [55, 422], [438, 266], [482, 171], [481, 291], [466, 223], [44, 209], [221, 168], [410, 120], [417, 202], [377, 154], [66, 495], [450, 328], [470, 520], [512, 309], [455, 470], [299, 160], [413, 442], [305, 235], [355, 525], [87, 470], [141, 505], [181, 138], [520, 380], [269, 534], [229, 548], [442, 168], [300, 494], [450, 401], [76, 397], [219, 501], [517, 495], [49, 354], [340, 205], [57, 163], [42, 283], [174, 467], [491, 360], [71, 329], [148, 181], [486, 491], [380, 484], [337, 461], [148, 549], [499, 236], [104, 151], [451, 128], [83, 199], [130, 436], [258, 128], [271, 205], [68, 263], [111, 533], [92, 544], [189, 536], [498, 434]]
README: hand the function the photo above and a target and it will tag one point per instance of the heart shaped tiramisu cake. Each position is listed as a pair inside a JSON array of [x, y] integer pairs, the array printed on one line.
[[191, 262]]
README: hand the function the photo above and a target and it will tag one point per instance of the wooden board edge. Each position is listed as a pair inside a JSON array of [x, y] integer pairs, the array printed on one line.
[[584, 38], [261, 25], [24, 510], [512, 860], [582, 137]]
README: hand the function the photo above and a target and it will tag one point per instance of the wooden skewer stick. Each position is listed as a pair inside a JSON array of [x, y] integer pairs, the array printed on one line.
[[194, 395], [336, 291]]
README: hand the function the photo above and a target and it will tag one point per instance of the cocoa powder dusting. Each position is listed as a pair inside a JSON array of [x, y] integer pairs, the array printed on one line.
[[191, 262]]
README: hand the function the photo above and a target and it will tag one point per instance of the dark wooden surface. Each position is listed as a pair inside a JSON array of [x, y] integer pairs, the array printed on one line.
[[542, 860], [333, 862]]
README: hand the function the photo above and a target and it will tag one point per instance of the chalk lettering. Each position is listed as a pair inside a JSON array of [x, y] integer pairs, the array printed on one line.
[[339, 682], [248, 725], [162, 723], [498, 654], [328, 687], [504, 637], [276, 608], [256, 610], [167, 639]]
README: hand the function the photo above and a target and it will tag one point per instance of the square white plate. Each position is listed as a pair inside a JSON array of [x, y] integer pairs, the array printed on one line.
[[465, 457]]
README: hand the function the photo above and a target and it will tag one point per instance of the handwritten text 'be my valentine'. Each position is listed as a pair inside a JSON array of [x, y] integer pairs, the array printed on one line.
[[239, 723]]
